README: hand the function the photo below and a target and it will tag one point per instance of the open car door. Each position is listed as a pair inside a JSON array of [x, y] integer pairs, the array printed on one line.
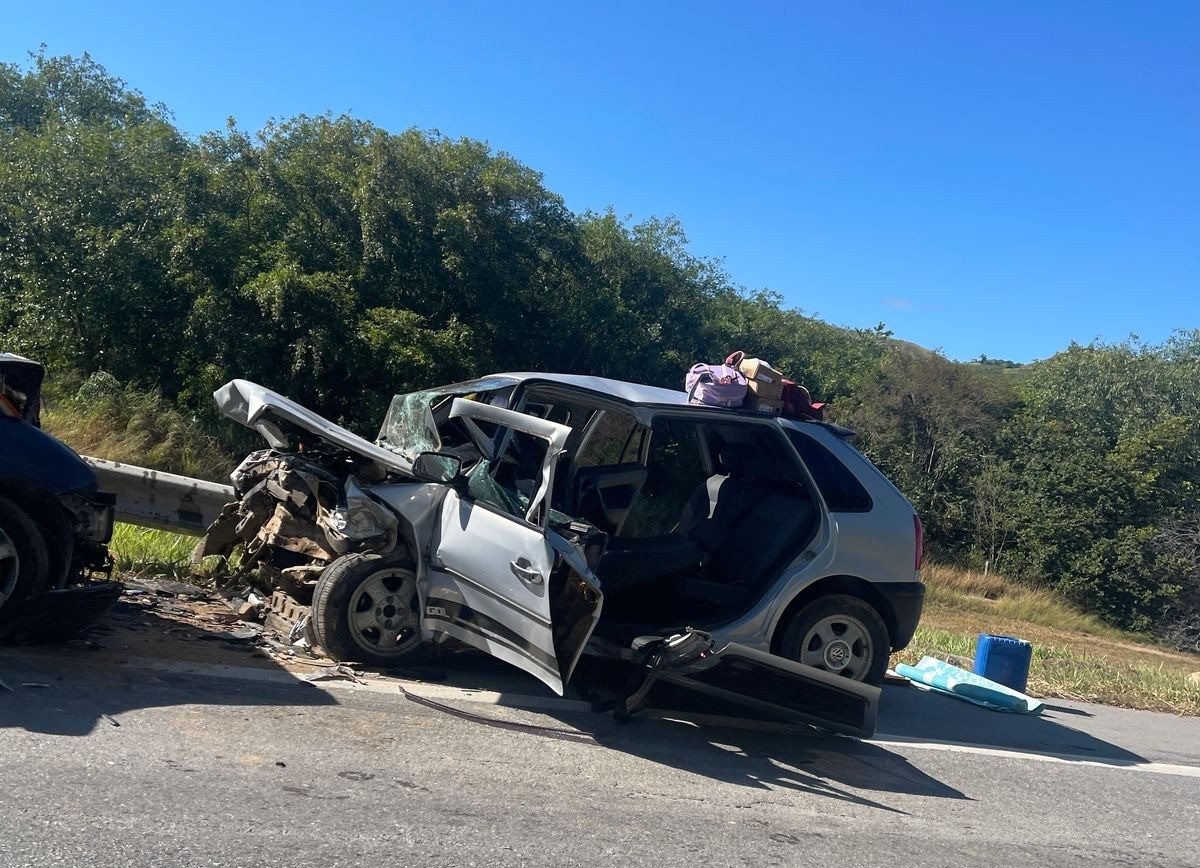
[[738, 676], [498, 575]]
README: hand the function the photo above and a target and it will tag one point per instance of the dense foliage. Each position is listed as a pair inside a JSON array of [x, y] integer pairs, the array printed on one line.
[[339, 263]]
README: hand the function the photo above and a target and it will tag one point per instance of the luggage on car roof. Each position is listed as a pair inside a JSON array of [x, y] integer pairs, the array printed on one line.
[[766, 389], [716, 385]]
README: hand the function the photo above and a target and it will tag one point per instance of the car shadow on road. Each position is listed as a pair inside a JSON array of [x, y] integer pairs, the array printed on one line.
[[925, 716], [838, 768], [681, 731], [139, 659], [807, 760]]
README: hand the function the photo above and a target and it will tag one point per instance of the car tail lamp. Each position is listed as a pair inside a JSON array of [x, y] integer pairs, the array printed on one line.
[[919, 533]]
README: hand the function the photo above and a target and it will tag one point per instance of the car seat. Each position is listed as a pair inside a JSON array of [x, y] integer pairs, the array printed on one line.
[[737, 530]]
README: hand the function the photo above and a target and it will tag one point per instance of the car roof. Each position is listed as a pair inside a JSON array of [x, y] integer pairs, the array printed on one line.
[[13, 358], [653, 396], [632, 393]]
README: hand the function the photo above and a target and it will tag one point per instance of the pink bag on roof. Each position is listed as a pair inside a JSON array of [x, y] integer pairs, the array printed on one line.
[[715, 385]]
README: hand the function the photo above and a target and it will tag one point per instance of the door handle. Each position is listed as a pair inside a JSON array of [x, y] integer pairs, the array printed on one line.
[[525, 572]]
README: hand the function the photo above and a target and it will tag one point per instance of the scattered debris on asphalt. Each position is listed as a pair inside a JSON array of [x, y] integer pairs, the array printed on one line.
[[341, 670], [164, 587], [575, 735], [88, 644], [242, 634]]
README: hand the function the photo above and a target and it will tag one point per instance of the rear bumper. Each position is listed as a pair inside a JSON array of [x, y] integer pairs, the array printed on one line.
[[906, 599]]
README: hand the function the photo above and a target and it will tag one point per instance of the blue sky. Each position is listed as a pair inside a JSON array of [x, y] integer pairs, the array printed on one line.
[[984, 177]]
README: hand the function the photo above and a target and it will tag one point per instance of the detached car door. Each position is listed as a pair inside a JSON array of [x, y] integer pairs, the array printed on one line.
[[489, 578]]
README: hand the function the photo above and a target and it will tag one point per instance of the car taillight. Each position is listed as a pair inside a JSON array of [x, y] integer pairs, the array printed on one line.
[[919, 533]]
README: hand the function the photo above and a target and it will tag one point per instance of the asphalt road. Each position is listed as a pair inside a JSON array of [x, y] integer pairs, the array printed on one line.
[[147, 763]]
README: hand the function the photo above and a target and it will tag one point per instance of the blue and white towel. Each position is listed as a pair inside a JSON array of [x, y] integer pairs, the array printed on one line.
[[944, 678]]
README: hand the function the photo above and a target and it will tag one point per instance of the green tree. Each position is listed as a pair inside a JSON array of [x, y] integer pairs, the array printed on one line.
[[929, 424], [87, 186], [1105, 453]]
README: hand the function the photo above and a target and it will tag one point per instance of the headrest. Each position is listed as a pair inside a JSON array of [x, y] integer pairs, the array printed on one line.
[[747, 462]]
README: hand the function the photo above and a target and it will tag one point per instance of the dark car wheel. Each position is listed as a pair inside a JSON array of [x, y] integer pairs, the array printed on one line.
[[24, 561], [840, 634], [366, 609]]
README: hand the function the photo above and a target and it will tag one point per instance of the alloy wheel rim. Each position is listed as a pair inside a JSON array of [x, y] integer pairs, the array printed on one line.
[[383, 613], [840, 644]]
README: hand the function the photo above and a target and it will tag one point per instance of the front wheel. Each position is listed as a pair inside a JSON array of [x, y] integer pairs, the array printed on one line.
[[24, 560], [840, 634], [366, 609]]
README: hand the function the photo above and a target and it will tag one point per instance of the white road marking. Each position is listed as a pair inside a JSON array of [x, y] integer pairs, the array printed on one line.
[[444, 692], [900, 741]]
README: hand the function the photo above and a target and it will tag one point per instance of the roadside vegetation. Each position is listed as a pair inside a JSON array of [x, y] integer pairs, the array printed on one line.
[[1075, 655], [146, 553], [106, 419]]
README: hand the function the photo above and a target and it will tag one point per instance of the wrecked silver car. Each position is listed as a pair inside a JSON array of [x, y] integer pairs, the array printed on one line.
[[545, 519]]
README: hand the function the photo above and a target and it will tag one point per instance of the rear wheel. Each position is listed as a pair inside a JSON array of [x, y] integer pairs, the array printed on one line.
[[24, 561], [840, 634], [366, 608]]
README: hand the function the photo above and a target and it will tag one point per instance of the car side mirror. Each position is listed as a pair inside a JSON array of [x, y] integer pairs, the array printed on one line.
[[437, 467]]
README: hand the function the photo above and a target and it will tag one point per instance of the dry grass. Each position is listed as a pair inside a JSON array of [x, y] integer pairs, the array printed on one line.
[[1075, 655], [998, 598], [108, 420]]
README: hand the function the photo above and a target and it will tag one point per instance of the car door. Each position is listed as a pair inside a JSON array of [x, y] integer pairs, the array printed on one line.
[[489, 577], [762, 683]]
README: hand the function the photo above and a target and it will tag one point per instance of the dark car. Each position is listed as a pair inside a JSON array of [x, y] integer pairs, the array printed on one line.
[[54, 522]]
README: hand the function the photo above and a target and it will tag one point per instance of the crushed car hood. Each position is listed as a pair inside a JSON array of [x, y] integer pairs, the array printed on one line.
[[260, 408]]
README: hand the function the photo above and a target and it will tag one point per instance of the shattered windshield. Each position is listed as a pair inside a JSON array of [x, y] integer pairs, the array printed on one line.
[[411, 424]]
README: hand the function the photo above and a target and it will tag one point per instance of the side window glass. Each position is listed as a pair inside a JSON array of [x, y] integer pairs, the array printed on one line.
[[615, 438], [841, 490], [510, 481], [674, 471], [560, 413], [633, 445]]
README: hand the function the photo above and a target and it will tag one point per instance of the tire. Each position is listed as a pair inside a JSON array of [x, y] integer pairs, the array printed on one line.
[[366, 609], [55, 528], [24, 561], [841, 634]]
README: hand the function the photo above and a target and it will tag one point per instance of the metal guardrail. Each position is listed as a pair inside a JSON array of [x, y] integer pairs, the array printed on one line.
[[165, 501]]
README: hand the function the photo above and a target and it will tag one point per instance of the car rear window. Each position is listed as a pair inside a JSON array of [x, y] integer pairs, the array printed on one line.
[[842, 492]]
